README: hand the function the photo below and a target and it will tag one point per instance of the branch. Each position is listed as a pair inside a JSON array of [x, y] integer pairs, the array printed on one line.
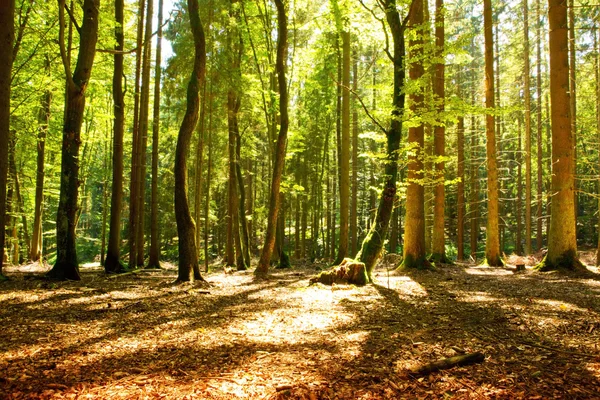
[[61, 42], [387, 40], [22, 25], [371, 117], [73, 20], [135, 49]]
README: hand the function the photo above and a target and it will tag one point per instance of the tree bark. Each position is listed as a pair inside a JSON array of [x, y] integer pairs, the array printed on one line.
[[540, 155], [7, 37], [438, 245], [143, 134], [112, 263], [562, 240], [67, 266], [460, 132], [492, 243], [188, 269], [135, 151], [344, 151], [414, 233], [43, 120], [373, 244], [354, 204], [154, 257], [527, 95], [263, 265]]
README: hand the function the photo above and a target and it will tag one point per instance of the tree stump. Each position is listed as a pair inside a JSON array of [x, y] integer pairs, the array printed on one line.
[[348, 272]]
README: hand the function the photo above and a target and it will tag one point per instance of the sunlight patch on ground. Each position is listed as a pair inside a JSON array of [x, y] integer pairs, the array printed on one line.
[[483, 270], [477, 297], [556, 305]]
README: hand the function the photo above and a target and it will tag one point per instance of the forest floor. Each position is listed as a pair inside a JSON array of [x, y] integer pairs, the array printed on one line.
[[138, 336]]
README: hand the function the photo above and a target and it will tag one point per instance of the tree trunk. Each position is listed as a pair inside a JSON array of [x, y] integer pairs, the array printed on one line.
[[112, 263], [414, 233], [438, 246], [67, 266], [492, 243], [527, 95], [373, 243], [143, 137], [344, 151], [43, 120], [269, 244], [7, 36], [208, 181], [460, 131], [573, 96], [562, 240], [154, 258], [519, 205], [135, 151], [539, 130], [188, 269], [354, 204], [474, 200], [243, 222]]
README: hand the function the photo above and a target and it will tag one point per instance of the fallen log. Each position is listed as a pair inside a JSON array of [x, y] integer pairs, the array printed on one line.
[[463, 359]]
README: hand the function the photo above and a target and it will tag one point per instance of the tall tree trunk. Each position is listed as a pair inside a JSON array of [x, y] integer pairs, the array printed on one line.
[[354, 204], [7, 36], [274, 200], [539, 129], [492, 243], [344, 151], [460, 132], [243, 222], [562, 240], [414, 232], [154, 258], [438, 247], [143, 133], [373, 243], [573, 96], [527, 95], [43, 120], [519, 205], [135, 151], [208, 180], [188, 269], [474, 200], [67, 266], [112, 263], [597, 73]]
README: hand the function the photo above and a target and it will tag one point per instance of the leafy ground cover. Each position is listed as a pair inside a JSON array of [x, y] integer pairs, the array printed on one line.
[[138, 336]]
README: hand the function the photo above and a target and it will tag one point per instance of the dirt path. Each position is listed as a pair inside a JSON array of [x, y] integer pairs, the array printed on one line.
[[137, 336]]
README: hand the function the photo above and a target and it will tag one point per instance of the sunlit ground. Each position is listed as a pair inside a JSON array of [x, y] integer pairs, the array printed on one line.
[[138, 336]]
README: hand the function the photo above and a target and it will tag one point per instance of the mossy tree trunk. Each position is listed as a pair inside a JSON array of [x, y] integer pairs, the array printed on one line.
[[188, 269], [67, 265], [372, 246]]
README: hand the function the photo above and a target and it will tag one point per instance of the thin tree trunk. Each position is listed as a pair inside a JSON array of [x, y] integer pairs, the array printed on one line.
[[438, 248], [135, 151], [539, 130], [492, 243], [143, 137], [154, 258], [188, 269], [344, 151], [573, 95], [67, 266], [208, 180], [112, 263], [243, 222], [562, 240], [527, 95], [354, 204], [269, 244], [519, 205], [460, 132], [43, 120]]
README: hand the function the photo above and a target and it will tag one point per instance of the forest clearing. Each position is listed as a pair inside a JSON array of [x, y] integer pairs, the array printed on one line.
[[138, 336]]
